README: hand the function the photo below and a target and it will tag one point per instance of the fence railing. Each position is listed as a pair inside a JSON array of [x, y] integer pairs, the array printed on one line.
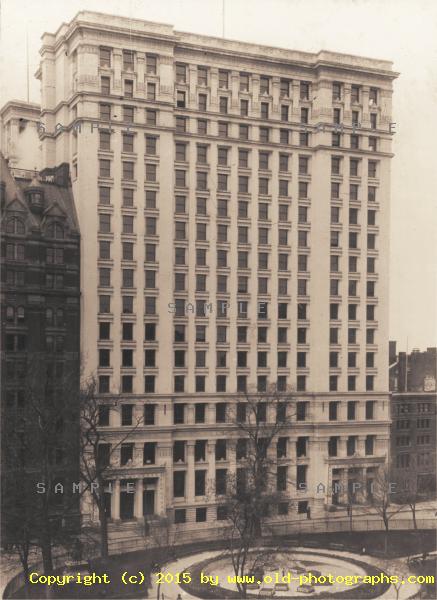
[[120, 546]]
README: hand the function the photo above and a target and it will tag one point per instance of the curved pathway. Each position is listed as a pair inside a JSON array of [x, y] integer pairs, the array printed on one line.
[[170, 591]]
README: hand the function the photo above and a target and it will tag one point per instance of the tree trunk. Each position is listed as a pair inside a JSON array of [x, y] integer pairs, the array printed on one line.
[[103, 529], [26, 572], [46, 543], [413, 512], [386, 534], [47, 558]]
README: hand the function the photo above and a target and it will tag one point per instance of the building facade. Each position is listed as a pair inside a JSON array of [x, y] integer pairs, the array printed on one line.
[[413, 441], [40, 265], [233, 201], [19, 139], [417, 371]]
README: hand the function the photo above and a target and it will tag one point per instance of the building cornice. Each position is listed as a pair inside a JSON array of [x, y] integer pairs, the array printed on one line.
[[136, 29]]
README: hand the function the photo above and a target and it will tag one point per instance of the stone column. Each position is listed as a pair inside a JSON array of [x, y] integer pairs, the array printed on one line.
[[235, 89], [189, 491], [210, 458], [115, 500], [190, 414], [214, 88], [275, 95], [192, 85], [140, 86], [254, 112], [360, 448], [114, 417], [295, 94], [161, 502], [347, 103], [117, 56], [210, 413], [138, 503], [232, 457]]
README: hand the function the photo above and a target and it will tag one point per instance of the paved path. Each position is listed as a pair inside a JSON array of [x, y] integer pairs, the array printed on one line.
[[170, 591]]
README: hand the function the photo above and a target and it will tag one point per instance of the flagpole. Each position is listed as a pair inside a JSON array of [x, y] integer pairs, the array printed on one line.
[[27, 62], [223, 17]]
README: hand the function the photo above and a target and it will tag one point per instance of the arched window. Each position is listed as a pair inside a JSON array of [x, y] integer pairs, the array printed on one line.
[[10, 313], [20, 313], [15, 225], [55, 230]]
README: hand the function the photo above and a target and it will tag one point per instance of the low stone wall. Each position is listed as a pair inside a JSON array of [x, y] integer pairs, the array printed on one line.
[[126, 537]]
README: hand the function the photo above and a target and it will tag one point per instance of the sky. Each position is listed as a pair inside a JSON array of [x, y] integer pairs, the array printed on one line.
[[403, 31]]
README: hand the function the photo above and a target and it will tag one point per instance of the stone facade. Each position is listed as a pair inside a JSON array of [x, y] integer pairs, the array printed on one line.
[[255, 180]]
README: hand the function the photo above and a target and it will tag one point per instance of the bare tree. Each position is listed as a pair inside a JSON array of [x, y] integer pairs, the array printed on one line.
[[381, 500], [254, 491], [396, 576], [95, 465], [159, 535], [34, 514], [411, 491], [354, 492]]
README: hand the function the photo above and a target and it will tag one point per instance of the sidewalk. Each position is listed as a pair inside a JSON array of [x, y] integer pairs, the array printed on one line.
[[170, 591]]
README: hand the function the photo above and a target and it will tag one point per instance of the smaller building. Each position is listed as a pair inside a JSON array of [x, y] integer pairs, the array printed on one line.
[[40, 356], [19, 135], [413, 372], [413, 441]]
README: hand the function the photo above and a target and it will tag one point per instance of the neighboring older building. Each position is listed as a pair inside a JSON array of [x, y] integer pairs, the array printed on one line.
[[40, 298], [252, 180], [413, 440], [413, 411], [19, 140], [414, 372]]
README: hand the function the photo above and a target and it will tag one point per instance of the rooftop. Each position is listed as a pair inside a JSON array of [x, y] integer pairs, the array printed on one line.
[[137, 28]]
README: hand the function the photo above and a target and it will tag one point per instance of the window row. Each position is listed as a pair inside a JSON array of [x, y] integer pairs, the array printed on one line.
[[352, 264], [221, 384]]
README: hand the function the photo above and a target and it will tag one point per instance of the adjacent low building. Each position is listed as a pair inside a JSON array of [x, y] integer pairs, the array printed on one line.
[[413, 412], [40, 322]]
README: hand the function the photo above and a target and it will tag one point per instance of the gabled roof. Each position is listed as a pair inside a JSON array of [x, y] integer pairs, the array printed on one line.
[[58, 199]]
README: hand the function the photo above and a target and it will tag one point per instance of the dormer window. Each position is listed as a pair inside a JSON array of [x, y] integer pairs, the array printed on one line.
[[36, 200]]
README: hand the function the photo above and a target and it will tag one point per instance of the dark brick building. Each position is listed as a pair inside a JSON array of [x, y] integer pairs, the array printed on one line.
[[40, 297], [413, 440], [412, 372], [413, 413]]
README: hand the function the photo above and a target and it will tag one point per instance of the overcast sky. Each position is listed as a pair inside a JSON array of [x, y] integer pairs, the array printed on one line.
[[398, 30]]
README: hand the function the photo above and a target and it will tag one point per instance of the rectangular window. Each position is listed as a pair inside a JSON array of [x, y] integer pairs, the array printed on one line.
[[128, 114], [180, 99], [223, 105], [151, 64], [336, 91], [304, 90], [202, 75], [128, 88], [151, 117], [105, 57], [223, 79], [128, 170], [264, 85], [203, 98], [181, 73], [128, 142], [104, 168], [151, 144]]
